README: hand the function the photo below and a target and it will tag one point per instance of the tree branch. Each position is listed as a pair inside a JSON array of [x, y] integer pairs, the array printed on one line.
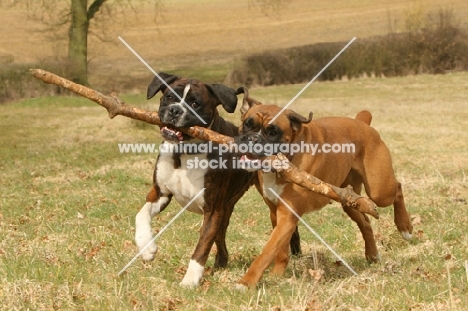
[[116, 106], [345, 196], [113, 104], [94, 8]]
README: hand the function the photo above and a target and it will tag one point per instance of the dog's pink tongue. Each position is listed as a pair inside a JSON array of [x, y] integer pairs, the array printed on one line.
[[172, 134], [247, 159], [244, 158]]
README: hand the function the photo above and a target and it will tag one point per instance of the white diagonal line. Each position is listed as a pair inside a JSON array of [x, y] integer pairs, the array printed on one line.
[[312, 81], [160, 232], [159, 77], [314, 233]]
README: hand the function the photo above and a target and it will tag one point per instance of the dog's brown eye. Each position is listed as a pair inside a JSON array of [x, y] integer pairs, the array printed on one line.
[[169, 97], [195, 105], [248, 124], [272, 131]]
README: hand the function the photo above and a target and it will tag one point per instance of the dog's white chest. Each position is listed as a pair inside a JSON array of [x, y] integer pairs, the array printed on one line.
[[269, 185], [184, 182]]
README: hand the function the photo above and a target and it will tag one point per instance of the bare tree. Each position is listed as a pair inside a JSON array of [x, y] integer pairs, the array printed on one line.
[[81, 16], [72, 19]]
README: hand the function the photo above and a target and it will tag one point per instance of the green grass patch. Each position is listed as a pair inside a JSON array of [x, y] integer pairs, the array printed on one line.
[[210, 73]]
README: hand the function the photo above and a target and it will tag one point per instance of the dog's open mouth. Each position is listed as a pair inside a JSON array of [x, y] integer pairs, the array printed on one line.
[[249, 163], [172, 134]]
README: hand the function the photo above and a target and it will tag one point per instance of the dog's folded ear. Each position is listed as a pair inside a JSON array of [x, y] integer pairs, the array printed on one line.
[[226, 96], [157, 85], [247, 101], [297, 120]]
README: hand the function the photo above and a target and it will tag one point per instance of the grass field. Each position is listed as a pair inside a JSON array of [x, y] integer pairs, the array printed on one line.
[[69, 199]]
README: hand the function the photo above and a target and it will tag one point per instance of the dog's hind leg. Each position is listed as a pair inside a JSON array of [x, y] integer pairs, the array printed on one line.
[[295, 243], [361, 219], [401, 216], [383, 188], [155, 203], [221, 258]]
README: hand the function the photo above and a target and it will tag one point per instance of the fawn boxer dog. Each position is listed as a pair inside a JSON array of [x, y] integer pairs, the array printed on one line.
[[369, 164], [177, 176]]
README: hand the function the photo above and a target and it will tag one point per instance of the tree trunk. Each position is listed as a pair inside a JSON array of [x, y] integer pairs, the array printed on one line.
[[78, 41]]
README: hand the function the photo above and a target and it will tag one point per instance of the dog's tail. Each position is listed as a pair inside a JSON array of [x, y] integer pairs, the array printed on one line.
[[364, 116]]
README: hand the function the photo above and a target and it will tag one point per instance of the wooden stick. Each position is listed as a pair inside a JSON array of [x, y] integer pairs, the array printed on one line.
[[345, 196], [115, 106]]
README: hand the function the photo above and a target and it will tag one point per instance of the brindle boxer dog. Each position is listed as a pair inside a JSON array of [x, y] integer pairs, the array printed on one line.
[[176, 176], [370, 165]]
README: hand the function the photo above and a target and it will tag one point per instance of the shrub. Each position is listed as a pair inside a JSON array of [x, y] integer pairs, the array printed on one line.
[[438, 47], [16, 82]]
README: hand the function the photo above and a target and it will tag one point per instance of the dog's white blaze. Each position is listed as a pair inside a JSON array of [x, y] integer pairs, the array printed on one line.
[[186, 90], [182, 103], [193, 275], [182, 182], [269, 181], [143, 233]]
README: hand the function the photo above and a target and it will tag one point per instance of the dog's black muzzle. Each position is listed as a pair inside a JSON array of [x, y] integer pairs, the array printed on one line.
[[173, 115], [251, 144]]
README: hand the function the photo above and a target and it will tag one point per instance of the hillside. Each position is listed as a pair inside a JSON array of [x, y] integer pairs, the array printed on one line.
[[208, 34]]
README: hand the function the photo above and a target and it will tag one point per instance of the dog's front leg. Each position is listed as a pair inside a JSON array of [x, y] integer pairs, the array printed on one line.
[[275, 249], [295, 243], [211, 222], [143, 233]]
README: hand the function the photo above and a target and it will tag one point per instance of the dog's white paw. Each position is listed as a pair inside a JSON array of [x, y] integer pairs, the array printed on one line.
[[406, 235], [193, 275], [143, 241], [188, 283], [150, 252], [143, 233], [240, 287]]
